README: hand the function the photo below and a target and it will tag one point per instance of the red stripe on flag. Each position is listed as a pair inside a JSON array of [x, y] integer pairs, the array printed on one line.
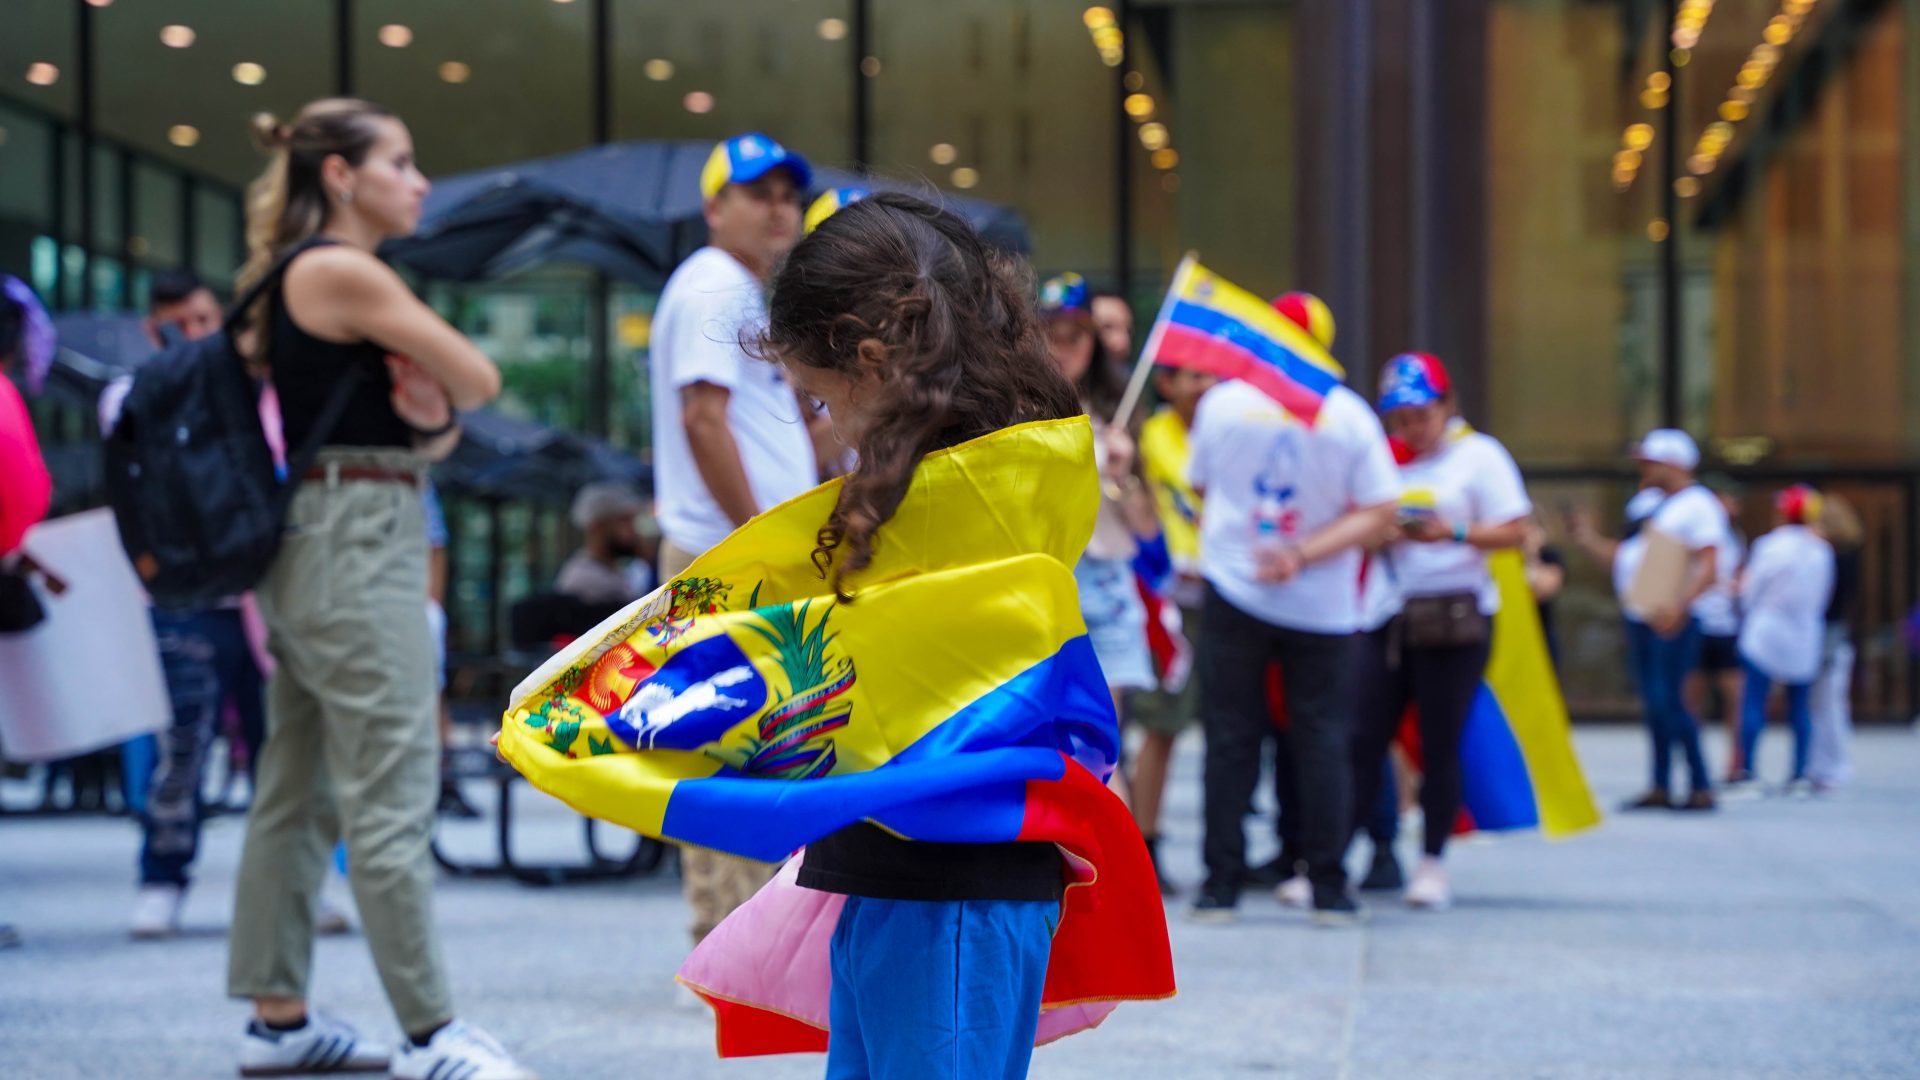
[[1185, 347]]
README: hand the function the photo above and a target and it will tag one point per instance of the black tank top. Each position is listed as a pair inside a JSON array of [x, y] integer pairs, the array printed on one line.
[[306, 369]]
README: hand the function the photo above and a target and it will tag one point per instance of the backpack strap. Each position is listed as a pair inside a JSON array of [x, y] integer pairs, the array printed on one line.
[[269, 280]]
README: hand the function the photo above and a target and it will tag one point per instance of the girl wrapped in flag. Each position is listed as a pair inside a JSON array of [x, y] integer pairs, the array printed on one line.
[[892, 671]]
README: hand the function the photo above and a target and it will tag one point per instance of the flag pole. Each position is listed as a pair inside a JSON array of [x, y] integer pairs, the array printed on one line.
[[1137, 385]]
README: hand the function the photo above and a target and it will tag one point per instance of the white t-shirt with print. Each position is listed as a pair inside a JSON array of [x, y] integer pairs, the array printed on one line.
[[1268, 478], [1469, 479], [1789, 583], [705, 306]]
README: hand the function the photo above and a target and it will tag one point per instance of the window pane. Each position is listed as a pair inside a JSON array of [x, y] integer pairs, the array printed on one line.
[[480, 82], [217, 246], [41, 32], [1020, 95], [189, 106], [156, 216]]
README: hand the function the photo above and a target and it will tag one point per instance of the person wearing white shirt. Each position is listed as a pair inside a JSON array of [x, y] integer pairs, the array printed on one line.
[[1463, 497], [1289, 505], [729, 436], [1785, 591], [1665, 646]]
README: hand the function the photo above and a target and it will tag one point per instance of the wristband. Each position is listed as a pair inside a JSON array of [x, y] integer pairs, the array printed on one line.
[[1460, 533], [453, 421]]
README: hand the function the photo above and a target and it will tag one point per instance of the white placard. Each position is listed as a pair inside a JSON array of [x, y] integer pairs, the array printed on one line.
[[89, 676]]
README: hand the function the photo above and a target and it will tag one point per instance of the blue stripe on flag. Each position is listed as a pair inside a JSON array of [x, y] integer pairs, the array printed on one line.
[[1497, 789], [1291, 364]]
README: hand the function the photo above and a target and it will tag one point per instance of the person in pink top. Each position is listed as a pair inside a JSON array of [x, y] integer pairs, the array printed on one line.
[[26, 342]]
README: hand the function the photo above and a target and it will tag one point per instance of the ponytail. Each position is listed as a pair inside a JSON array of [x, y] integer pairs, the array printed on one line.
[[288, 202]]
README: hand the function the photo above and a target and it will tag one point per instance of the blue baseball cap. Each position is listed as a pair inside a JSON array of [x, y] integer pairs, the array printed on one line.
[[830, 201], [1413, 379], [746, 158]]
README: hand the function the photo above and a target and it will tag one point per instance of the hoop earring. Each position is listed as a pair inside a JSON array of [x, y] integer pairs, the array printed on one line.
[[346, 197]]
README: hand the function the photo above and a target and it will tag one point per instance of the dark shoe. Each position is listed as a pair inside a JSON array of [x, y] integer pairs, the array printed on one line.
[[1654, 799], [1336, 907], [1215, 905], [1699, 800], [1270, 873], [455, 805], [1384, 875], [1167, 887]]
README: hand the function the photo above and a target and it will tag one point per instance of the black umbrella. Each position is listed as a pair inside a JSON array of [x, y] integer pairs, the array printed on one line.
[[632, 210]]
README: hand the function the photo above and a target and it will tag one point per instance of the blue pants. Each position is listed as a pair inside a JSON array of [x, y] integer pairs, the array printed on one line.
[[207, 661], [937, 990], [1753, 717], [1662, 665]]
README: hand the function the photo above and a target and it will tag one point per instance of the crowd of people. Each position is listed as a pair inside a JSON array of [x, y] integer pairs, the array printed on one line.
[[1293, 590]]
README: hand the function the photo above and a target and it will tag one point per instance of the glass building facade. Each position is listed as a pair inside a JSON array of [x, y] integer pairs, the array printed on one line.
[[1605, 214]]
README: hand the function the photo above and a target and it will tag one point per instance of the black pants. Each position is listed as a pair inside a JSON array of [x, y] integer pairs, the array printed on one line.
[[1442, 682], [1317, 672]]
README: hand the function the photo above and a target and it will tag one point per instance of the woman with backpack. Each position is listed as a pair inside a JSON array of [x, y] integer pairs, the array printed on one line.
[[351, 750]]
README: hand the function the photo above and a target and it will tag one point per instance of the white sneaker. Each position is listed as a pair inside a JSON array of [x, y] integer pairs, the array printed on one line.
[[1429, 888], [458, 1051], [156, 911], [325, 1045], [330, 911], [1295, 892]]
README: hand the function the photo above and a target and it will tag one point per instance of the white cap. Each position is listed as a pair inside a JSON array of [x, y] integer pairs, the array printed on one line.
[[1669, 446], [602, 501]]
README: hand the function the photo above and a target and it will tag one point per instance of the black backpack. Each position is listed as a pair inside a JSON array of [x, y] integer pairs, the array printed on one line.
[[190, 475]]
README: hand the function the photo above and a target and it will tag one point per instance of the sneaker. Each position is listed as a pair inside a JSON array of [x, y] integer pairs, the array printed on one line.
[[1384, 875], [156, 911], [1429, 889], [1337, 907], [1214, 906], [1740, 787], [324, 1045], [1654, 799], [330, 913], [459, 1051], [1295, 892], [1801, 788], [1699, 800]]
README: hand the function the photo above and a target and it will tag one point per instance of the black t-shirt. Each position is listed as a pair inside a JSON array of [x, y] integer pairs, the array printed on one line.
[[866, 860]]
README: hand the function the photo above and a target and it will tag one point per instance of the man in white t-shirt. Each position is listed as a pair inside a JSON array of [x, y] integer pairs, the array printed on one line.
[[1288, 508], [730, 438], [1665, 645]]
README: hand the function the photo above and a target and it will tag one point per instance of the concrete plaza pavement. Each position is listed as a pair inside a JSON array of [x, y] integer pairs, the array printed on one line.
[[1774, 938]]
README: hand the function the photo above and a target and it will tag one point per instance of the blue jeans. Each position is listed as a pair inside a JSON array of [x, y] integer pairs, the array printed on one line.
[[207, 662], [1753, 717], [1662, 664], [937, 990]]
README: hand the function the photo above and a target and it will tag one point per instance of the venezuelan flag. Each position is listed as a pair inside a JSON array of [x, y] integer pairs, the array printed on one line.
[[1518, 766], [1213, 325], [742, 708]]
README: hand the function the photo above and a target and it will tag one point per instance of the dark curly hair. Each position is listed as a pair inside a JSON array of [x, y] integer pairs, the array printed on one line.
[[964, 354]]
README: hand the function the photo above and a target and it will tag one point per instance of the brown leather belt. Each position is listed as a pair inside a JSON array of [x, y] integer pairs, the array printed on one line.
[[365, 473]]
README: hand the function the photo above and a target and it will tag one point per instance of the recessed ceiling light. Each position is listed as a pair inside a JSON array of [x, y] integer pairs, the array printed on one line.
[[396, 36], [870, 67], [943, 153], [100, 3], [699, 101], [183, 135], [177, 36], [832, 29], [1165, 158], [965, 177], [455, 72], [659, 70], [41, 73], [248, 73]]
